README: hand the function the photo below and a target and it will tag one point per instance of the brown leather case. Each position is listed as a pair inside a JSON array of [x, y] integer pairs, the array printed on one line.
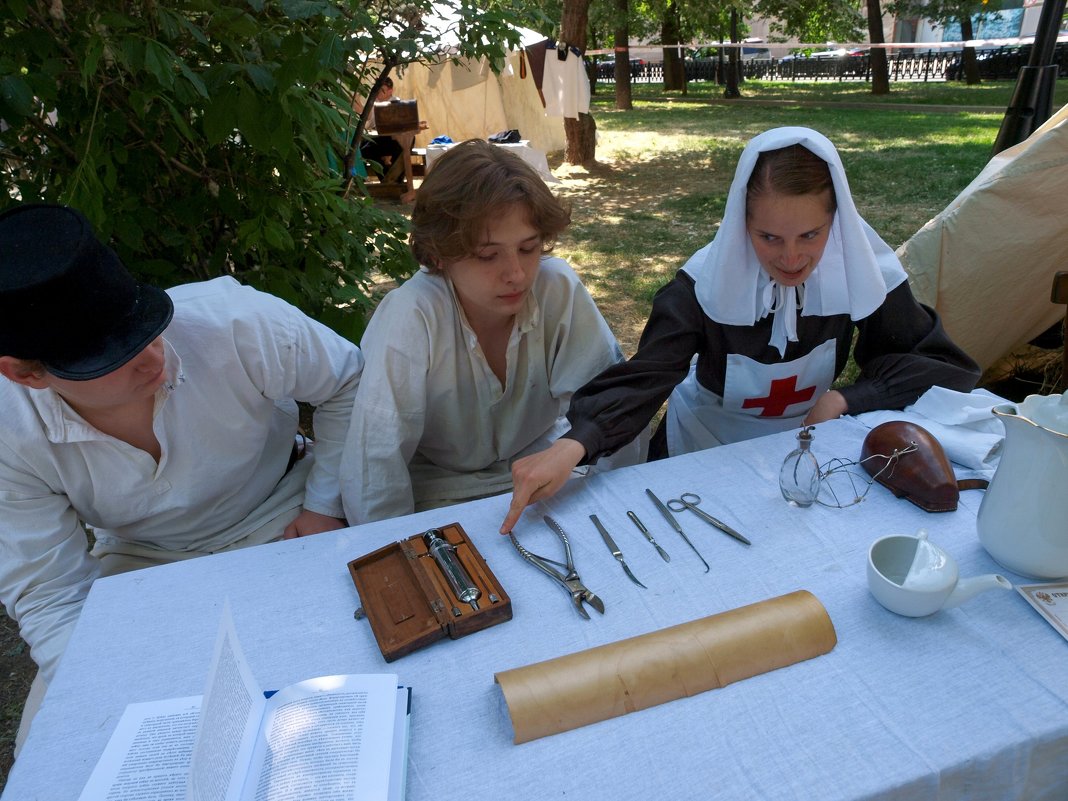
[[395, 116], [922, 476], [408, 601]]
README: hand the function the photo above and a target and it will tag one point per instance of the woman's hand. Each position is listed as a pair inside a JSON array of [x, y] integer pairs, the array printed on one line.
[[308, 523], [540, 475], [830, 406]]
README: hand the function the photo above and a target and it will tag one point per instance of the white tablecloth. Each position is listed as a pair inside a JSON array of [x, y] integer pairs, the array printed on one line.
[[971, 703], [531, 155]]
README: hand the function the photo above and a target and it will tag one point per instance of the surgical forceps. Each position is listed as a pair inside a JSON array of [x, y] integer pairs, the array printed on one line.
[[569, 579], [689, 500]]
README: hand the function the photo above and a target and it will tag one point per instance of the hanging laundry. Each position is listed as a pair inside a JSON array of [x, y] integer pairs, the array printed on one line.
[[565, 85]]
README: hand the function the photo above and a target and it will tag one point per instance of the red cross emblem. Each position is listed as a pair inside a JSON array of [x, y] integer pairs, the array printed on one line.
[[784, 392]]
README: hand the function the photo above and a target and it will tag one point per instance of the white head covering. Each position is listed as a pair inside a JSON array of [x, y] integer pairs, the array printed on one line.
[[853, 276]]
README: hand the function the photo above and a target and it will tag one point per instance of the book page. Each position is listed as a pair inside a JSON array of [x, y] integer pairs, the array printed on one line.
[[147, 757], [230, 717], [398, 768], [326, 739]]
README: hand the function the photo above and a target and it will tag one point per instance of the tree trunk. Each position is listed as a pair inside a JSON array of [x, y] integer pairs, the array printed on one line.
[[670, 34], [622, 42], [581, 134], [880, 70], [733, 62], [967, 57]]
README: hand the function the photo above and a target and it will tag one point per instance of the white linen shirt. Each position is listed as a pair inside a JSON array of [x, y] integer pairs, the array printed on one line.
[[225, 417], [432, 424]]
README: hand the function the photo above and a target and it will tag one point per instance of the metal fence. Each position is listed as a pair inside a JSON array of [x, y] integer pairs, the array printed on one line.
[[908, 65]]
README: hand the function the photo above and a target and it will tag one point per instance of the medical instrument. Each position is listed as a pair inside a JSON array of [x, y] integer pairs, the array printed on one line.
[[569, 579], [675, 525], [648, 536], [689, 500], [444, 554], [618, 554]]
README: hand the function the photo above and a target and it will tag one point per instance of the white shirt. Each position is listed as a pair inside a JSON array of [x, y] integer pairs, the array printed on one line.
[[432, 423], [565, 85], [225, 418]]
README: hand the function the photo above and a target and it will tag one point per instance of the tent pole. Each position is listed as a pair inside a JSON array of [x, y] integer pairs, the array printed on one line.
[[1032, 99]]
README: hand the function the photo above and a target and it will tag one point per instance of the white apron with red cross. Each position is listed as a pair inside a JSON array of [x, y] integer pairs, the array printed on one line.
[[758, 399]]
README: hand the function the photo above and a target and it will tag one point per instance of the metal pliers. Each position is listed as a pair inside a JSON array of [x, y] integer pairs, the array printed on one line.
[[569, 579]]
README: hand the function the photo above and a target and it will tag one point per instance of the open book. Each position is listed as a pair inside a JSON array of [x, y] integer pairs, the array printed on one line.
[[336, 737]]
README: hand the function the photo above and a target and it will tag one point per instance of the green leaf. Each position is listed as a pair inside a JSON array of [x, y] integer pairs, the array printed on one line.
[[132, 54], [18, 8], [282, 135], [180, 122], [193, 30], [93, 51], [118, 21], [195, 80], [16, 98], [292, 45], [220, 117], [261, 77], [250, 232], [159, 61], [157, 268], [277, 236], [243, 25], [250, 120], [306, 9], [331, 52], [128, 232]]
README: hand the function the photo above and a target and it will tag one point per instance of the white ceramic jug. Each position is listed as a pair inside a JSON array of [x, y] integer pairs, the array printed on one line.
[[1023, 519]]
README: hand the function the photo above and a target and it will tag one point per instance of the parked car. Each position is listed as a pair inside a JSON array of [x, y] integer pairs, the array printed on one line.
[[955, 67], [606, 67], [823, 55]]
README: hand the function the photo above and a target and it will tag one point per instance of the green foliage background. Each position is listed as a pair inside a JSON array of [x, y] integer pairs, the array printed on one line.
[[205, 137]]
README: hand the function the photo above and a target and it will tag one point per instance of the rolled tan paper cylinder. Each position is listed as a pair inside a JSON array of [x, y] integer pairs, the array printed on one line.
[[611, 680]]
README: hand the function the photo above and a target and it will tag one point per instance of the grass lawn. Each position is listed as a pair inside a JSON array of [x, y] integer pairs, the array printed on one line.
[[663, 170]]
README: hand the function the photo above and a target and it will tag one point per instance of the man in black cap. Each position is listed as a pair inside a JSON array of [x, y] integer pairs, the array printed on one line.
[[165, 422]]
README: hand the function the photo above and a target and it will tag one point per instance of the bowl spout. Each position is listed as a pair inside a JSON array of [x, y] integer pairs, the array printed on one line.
[[970, 587]]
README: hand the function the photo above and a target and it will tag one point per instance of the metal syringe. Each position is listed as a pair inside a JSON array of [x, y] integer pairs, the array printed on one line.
[[444, 554]]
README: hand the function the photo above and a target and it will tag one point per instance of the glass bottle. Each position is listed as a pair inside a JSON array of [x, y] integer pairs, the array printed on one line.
[[799, 478]]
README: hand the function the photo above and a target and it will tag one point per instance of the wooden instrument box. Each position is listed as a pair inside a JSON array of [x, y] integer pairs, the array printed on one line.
[[396, 116], [409, 602]]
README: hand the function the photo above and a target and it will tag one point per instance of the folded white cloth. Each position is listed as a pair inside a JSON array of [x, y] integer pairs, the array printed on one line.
[[970, 434]]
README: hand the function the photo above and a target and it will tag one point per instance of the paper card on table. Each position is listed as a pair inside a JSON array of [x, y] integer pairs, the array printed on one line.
[[335, 737], [1051, 601]]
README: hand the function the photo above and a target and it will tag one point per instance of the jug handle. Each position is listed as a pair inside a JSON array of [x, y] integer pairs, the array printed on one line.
[[973, 483]]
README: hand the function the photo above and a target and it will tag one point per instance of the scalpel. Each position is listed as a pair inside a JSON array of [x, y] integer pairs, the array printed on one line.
[[675, 525], [618, 554], [648, 536]]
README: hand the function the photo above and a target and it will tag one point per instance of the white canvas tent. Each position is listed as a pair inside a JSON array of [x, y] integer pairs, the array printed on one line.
[[987, 261], [468, 101]]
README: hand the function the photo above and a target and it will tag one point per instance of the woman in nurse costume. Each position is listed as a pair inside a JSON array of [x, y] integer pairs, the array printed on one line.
[[750, 335]]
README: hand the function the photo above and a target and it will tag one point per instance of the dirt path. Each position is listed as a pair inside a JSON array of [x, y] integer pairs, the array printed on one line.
[[16, 673]]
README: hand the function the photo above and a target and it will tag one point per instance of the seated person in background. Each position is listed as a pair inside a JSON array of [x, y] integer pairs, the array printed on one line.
[[384, 149], [471, 363], [769, 308], [164, 421]]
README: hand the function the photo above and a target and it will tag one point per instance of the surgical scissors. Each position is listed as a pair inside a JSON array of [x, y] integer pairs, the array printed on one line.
[[689, 500], [570, 579]]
